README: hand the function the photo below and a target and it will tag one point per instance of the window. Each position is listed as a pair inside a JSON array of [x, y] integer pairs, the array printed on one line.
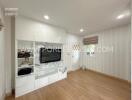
[[90, 49]]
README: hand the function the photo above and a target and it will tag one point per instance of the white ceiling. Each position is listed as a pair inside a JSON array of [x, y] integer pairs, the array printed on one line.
[[92, 15]]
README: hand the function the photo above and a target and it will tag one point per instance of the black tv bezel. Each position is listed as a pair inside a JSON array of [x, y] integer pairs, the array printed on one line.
[[40, 52]]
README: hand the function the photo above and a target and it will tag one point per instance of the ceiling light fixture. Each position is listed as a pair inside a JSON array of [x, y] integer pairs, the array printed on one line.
[[46, 17], [125, 14], [120, 16], [81, 30]]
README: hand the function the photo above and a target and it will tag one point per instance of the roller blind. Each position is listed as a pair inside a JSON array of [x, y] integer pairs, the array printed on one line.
[[90, 40]]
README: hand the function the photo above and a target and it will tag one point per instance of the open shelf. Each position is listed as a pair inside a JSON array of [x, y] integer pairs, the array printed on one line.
[[25, 61], [29, 66], [28, 57], [25, 75]]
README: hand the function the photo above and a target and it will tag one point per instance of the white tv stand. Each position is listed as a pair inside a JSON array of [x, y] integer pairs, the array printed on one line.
[[42, 74], [49, 78]]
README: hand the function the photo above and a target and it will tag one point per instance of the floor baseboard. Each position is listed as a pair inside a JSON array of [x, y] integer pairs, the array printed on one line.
[[10, 93], [112, 77], [74, 70], [2, 97]]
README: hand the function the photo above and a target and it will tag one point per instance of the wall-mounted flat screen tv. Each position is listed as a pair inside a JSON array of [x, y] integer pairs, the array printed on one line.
[[49, 55]]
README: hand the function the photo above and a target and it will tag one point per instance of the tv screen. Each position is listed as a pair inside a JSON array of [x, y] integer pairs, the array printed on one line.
[[49, 55]]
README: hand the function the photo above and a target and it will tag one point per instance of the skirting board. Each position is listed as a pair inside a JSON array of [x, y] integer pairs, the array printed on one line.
[[2, 97], [112, 77], [78, 68], [10, 94]]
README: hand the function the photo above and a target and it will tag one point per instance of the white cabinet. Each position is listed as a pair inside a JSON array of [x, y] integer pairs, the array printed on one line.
[[24, 84], [25, 36], [39, 83], [44, 81], [62, 75], [40, 76], [24, 29], [22, 34], [28, 83], [53, 78]]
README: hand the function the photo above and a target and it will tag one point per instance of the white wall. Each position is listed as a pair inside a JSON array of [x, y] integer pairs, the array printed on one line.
[[8, 53], [116, 63], [2, 66], [72, 52], [131, 50], [28, 29]]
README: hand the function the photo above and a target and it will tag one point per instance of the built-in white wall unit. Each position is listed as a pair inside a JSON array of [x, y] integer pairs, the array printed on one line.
[[41, 74], [24, 83], [112, 53]]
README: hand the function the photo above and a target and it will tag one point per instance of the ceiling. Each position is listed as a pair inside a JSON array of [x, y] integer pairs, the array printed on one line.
[[91, 15]]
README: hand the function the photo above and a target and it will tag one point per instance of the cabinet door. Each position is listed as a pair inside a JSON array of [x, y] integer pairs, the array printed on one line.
[[62, 75], [25, 36], [24, 29], [53, 78], [39, 83], [68, 60], [24, 85]]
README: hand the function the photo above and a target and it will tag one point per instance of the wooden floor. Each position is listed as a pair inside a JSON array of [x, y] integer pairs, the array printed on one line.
[[82, 85]]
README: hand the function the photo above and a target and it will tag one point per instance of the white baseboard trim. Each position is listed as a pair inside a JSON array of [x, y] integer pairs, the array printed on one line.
[[76, 68], [8, 94], [2, 97]]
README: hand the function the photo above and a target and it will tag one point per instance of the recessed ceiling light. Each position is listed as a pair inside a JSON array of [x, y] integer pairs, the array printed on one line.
[[125, 14], [46, 17], [120, 16], [81, 30]]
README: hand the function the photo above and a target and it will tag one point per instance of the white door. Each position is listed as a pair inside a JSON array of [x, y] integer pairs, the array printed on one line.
[[68, 61], [75, 59], [71, 58]]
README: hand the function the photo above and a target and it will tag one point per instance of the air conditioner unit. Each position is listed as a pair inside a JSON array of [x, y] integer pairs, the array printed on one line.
[[1, 25]]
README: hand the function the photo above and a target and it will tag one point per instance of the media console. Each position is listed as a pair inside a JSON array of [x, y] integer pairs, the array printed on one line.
[[33, 74]]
